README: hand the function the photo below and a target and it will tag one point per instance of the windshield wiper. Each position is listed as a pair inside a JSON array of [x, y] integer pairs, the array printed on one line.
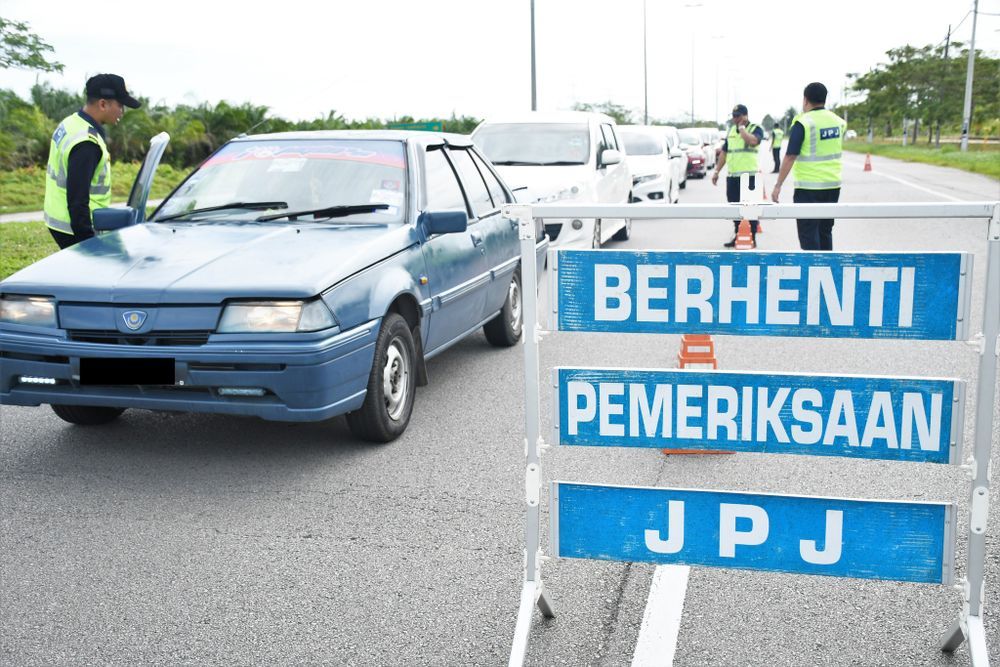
[[517, 163], [560, 163], [328, 212], [253, 205]]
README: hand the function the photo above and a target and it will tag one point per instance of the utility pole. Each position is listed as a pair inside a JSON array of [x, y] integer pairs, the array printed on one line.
[[534, 93], [947, 43], [645, 85], [967, 111]]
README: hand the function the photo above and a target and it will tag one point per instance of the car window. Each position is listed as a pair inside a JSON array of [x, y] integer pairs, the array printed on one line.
[[492, 183], [640, 143], [301, 174], [443, 191], [475, 187], [610, 141], [534, 143]]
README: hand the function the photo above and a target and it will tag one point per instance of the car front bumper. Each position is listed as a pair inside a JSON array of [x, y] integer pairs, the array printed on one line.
[[309, 380], [652, 191]]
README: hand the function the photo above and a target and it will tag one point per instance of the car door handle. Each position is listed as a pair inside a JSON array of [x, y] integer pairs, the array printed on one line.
[[477, 240]]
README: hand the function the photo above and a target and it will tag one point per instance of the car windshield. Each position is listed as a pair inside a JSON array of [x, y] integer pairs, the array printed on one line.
[[247, 180], [535, 143], [691, 137], [640, 143]]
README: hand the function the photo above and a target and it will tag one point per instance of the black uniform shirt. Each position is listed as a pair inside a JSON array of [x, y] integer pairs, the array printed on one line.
[[796, 135], [82, 164]]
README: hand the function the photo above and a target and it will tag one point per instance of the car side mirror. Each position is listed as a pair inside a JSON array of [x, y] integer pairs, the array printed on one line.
[[110, 219], [443, 222], [610, 156]]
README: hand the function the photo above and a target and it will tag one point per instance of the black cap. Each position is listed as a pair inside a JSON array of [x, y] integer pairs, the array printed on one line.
[[110, 87], [739, 110]]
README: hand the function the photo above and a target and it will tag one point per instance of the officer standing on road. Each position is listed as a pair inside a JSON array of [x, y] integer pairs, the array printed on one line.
[[776, 136], [78, 178], [813, 155], [739, 151]]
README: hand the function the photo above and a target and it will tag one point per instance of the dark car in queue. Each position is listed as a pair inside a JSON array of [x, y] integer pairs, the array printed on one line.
[[292, 277]]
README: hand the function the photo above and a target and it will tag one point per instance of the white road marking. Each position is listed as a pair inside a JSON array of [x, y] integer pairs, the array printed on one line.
[[917, 187], [661, 622]]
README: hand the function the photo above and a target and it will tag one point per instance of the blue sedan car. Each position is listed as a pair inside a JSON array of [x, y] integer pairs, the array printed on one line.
[[293, 277]]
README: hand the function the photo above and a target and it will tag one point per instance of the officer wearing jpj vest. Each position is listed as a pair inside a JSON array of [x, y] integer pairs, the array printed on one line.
[[776, 136], [815, 143], [78, 178], [739, 151]]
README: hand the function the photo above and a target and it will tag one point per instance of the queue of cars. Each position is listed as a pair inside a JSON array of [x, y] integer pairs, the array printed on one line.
[[303, 275]]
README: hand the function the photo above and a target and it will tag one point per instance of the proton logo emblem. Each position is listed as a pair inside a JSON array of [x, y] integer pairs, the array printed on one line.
[[134, 319]]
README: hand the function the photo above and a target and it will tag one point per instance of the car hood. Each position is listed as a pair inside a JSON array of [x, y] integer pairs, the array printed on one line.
[[208, 263], [545, 183], [643, 165]]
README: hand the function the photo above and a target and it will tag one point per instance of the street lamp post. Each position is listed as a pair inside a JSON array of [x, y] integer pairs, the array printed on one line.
[[645, 84], [967, 111], [692, 5], [534, 93]]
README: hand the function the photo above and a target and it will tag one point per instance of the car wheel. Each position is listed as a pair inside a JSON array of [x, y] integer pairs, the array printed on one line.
[[504, 330], [595, 242], [684, 184], [86, 415], [625, 232], [391, 384]]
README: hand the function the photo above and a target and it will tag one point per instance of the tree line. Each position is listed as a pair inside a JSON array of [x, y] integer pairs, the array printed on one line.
[[26, 126], [924, 88]]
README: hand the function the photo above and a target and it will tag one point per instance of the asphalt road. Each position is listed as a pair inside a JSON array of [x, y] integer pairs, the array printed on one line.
[[193, 539]]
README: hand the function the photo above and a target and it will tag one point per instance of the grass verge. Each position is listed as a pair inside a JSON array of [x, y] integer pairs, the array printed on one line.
[[22, 243], [24, 189], [980, 158]]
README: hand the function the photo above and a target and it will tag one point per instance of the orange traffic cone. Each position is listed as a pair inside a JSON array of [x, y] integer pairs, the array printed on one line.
[[744, 239], [868, 162], [697, 351]]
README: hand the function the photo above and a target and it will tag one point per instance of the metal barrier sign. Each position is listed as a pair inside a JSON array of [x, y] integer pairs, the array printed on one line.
[[866, 539], [818, 294], [897, 419]]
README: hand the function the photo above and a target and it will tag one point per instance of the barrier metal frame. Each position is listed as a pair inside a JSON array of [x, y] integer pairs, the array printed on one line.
[[969, 624]]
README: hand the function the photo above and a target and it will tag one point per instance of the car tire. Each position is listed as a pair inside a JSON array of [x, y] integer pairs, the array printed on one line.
[[504, 330], [595, 241], [391, 384], [684, 184], [87, 415]]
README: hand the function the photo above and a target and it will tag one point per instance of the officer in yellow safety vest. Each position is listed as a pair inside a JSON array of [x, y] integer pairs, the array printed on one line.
[[776, 136], [815, 142], [78, 176], [739, 151]]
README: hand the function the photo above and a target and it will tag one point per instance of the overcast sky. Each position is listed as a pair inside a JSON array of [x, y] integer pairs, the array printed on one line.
[[434, 57]]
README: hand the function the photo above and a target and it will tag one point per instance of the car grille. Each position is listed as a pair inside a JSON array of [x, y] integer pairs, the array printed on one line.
[[154, 338]]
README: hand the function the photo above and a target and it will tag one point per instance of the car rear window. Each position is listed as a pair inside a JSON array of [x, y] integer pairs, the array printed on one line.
[[640, 143]]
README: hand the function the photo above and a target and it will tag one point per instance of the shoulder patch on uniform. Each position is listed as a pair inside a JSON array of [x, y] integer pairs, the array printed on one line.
[[829, 132], [58, 135]]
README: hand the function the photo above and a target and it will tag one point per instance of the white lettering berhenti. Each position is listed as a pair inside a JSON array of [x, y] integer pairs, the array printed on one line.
[[693, 287]]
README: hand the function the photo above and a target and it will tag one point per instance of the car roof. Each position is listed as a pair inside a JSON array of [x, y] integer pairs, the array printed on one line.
[[549, 117], [651, 130], [410, 136]]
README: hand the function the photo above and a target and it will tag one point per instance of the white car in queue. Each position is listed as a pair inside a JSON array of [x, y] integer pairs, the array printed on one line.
[[678, 156], [648, 156], [571, 156]]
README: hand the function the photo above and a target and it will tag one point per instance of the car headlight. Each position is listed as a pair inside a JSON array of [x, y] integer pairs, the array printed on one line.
[[275, 317], [35, 311], [636, 180]]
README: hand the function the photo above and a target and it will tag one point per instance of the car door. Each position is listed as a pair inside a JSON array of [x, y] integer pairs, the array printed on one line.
[[139, 195], [613, 181], [457, 274], [502, 245]]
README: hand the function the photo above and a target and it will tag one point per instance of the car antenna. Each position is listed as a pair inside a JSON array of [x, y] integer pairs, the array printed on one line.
[[256, 125]]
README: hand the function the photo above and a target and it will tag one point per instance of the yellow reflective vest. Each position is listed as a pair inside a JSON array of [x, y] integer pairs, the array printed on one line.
[[818, 165], [740, 158], [776, 136], [72, 131]]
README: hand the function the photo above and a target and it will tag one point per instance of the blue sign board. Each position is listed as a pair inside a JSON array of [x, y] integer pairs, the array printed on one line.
[[866, 539], [817, 294], [897, 419]]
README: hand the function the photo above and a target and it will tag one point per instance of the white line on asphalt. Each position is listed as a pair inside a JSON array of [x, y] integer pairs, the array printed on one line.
[[917, 187], [661, 622]]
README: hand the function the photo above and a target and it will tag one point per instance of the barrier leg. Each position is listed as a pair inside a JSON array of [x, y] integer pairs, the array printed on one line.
[[970, 624]]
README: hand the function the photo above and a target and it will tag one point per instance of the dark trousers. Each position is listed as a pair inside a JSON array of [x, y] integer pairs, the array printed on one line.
[[733, 196], [777, 157], [63, 240], [816, 233]]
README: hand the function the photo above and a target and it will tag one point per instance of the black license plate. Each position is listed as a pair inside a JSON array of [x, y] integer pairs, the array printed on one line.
[[126, 371]]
